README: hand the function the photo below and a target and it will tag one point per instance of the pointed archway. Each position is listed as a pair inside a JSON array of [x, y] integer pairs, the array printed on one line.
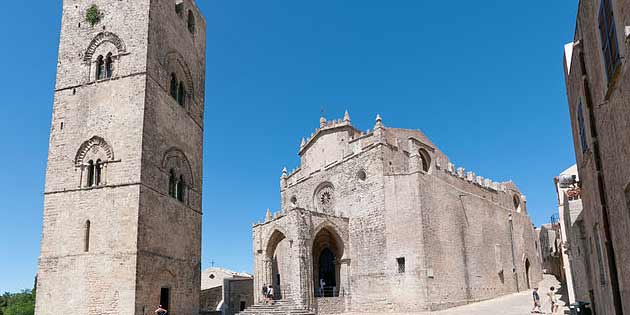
[[527, 268], [276, 262], [327, 253]]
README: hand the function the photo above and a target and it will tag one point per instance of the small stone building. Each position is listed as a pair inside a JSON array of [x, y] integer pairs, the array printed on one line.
[[382, 221], [225, 292]]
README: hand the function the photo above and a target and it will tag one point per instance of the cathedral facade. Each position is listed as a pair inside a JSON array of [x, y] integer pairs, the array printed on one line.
[[382, 221]]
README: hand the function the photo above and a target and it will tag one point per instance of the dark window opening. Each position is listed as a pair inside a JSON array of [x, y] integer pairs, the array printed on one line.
[[97, 172], [179, 8], [173, 86], [581, 126], [401, 264], [191, 22], [86, 238], [165, 298], [181, 94], [90, 173], [172, 183], [109, 66], [100, 68], [426, 160], [181, 188], [608, 36]]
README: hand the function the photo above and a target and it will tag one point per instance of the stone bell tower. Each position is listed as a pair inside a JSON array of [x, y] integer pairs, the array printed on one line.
[[122, 206]]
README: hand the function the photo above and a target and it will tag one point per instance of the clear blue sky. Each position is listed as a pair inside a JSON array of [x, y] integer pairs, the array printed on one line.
[[483, 79]]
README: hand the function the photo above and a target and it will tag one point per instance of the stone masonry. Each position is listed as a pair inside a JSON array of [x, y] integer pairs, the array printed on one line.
[[598, 89], [122, 206], [383, 221]]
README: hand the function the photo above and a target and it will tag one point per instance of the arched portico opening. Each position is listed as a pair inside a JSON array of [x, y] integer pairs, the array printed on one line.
[[527, 268], [276, 262], [327, 253]]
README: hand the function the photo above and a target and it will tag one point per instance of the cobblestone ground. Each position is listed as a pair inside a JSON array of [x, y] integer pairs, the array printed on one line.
[[513, 304]]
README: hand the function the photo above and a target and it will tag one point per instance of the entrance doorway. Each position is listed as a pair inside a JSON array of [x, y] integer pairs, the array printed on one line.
[[327, 251], [527, 267]]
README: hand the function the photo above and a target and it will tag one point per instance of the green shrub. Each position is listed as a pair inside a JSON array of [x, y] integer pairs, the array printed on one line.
[[93, 15]]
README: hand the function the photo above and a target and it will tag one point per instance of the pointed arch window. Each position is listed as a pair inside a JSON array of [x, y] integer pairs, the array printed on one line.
[[100, 68], [109, 66]]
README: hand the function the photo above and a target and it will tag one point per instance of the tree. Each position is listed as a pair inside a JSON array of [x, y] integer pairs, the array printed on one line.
[[22, 303]]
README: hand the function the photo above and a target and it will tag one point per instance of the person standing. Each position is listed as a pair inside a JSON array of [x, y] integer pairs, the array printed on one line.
[[270, 294], [264, 293], [553, 298], [536, 298]]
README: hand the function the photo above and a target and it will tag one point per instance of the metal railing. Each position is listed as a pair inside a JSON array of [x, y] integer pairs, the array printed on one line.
[[329, 292]]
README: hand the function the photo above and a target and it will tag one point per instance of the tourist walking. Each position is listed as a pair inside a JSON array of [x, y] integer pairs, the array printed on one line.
[[536, 298], [270, 294], [553, 298], [161, 311], [264, 293]]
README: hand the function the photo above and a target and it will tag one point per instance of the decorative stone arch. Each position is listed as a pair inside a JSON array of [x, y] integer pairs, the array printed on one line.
[[324, 198], [277, 235], [277, 267], [179, 174], [174, 62], [93, 146], [99, 39], [174, 158], [93, 158], [340, 237], [327, 252]]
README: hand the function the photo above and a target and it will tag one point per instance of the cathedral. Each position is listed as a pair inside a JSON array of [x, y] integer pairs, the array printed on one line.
[[383, 221]]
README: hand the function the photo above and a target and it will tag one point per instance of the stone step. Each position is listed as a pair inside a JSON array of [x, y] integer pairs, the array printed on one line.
[[279, 307]]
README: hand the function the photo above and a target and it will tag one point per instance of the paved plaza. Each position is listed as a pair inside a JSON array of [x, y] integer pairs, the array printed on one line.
[[513, 304]]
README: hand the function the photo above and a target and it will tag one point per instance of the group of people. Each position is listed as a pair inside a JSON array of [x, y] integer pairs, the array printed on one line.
[[268, 294], [553, 299]]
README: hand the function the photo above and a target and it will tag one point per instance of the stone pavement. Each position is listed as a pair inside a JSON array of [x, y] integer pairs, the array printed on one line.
[[513, 304]]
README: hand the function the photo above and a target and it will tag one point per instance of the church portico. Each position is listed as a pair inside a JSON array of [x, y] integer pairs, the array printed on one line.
[[301, 254]]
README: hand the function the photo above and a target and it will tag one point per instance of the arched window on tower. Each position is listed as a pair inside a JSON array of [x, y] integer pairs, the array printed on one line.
[[191, 22], [181, 94], [86, 236], [109, 66], [172, 184], [90, 173], [173, 86], [100, 68]]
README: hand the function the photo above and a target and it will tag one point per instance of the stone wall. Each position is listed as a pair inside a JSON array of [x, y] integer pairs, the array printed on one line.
[[602, 160], [121, 240]]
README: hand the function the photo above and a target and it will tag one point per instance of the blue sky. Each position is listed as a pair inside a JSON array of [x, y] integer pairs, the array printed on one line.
[[483, 79]]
